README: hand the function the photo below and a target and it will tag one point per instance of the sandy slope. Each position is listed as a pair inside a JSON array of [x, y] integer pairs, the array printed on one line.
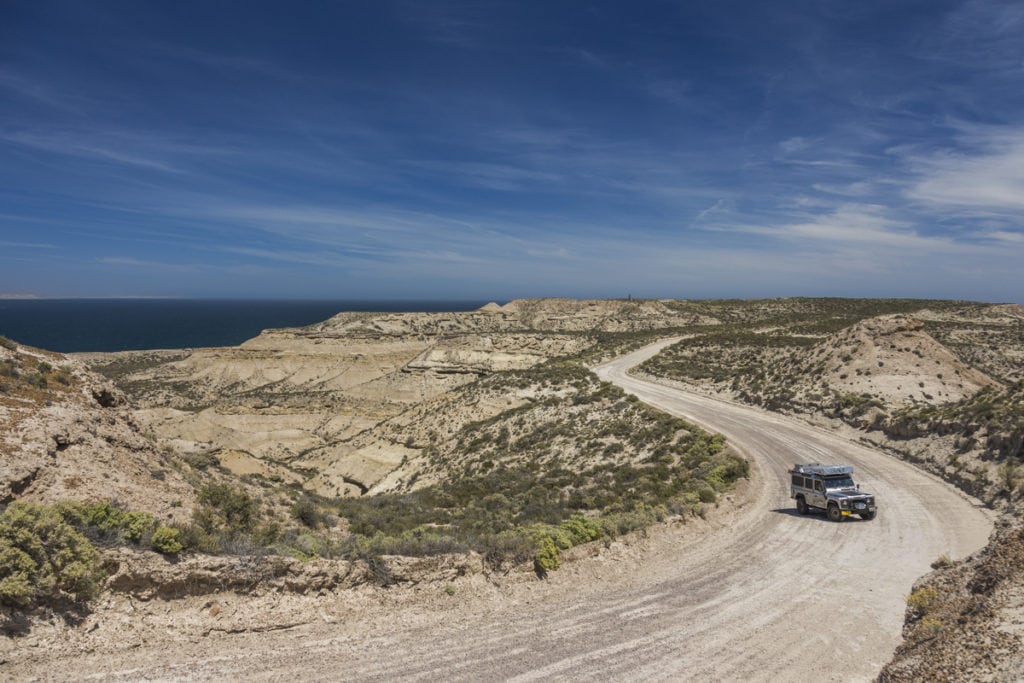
[[771, 596]]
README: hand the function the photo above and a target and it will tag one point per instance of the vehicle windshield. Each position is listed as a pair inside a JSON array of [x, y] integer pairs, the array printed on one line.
[[839, 483]]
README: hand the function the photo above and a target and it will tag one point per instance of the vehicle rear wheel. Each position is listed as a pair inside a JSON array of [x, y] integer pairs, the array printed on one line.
[[868, 516], [801, 505], [834, 514]]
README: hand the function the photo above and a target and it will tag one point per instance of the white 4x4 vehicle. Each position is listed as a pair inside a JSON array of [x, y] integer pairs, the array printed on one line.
[[830, 488]]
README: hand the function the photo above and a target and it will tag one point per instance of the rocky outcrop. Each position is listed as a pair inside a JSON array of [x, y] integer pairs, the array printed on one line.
[[482, 355], [73, 438]]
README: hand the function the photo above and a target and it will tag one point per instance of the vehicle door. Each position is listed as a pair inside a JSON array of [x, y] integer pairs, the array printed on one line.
[[818, 496]]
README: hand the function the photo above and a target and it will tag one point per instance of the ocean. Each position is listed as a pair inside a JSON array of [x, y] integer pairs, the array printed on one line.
[[70, 325]]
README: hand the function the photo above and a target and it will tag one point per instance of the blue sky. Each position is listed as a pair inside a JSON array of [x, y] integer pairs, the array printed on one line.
[[481, 150]]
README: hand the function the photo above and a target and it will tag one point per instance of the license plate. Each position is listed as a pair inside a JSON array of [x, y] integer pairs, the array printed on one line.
[[845, 512], [860, 506]]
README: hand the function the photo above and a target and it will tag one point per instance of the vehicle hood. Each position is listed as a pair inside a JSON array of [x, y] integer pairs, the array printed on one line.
[[849, 495]]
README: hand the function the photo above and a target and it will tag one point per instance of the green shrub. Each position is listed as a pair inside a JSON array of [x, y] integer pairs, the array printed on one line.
[[107, 523], [582, 529], [539, 533], [8, 344], [922, 600], [641, 517], [167, 540], [930, 627], [137, 525], [547, 557], [43, 559], [194, 538], [309, 546]]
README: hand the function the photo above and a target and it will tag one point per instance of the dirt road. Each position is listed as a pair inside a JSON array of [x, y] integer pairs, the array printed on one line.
[[768, 596]]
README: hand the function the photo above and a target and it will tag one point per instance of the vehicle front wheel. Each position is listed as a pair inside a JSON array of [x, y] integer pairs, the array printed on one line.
[[801, 506], [868, 516], [834, 514]]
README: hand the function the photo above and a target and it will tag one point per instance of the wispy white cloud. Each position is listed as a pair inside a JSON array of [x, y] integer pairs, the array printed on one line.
[[984, 180], [1014, 238], [863, 224], [111, 149], [868, 225], [796, 144], [721, 206], [860, 188], [494, 176], [136, 263], [26, 245], [41, 91]]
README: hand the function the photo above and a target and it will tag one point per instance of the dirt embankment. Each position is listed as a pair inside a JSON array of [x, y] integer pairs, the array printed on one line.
[[965, 620], [198, 617]]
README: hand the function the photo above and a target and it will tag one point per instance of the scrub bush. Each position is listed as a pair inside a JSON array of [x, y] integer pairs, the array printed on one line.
[[43, 559], [582, 530], [108, 524], [922, 600], [547, 557], [167, 540]]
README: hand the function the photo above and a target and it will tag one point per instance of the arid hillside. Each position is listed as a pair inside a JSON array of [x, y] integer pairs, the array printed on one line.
[[291, 401], [481, 437], [66, 433]]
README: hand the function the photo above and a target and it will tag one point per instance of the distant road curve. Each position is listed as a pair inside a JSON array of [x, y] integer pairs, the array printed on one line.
[[769, 596]]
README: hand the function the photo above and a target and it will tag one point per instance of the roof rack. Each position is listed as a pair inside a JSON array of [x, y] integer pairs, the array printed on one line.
[[821, 470]]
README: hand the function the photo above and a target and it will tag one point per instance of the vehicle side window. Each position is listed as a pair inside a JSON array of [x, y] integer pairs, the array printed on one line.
[[817, 485], [798, 480]]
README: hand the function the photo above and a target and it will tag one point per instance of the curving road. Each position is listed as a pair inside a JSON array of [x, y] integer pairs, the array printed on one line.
[[811, 597], [769, 596]]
